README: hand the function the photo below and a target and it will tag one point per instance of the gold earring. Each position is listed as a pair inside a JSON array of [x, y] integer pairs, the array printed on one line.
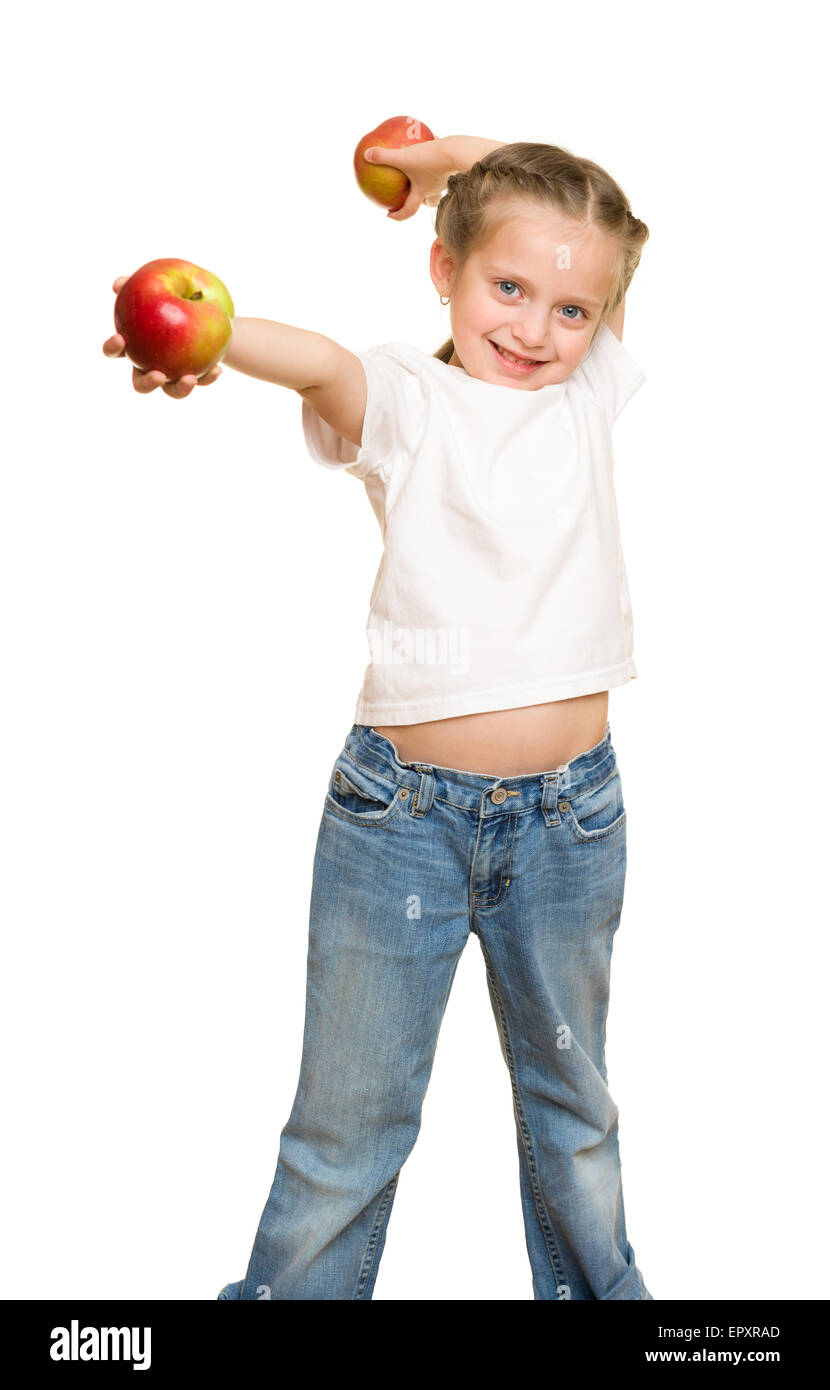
[[443, 300]]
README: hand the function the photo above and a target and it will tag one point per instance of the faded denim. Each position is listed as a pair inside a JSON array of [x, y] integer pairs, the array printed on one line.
[[410, 859]]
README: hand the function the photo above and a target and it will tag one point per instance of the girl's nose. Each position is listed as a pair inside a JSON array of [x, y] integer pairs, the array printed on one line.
[[532, 332]]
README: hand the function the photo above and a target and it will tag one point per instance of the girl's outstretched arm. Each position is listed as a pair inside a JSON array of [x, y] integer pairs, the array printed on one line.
[[325, 374], [275, 352], [322, 371], [280, 353]]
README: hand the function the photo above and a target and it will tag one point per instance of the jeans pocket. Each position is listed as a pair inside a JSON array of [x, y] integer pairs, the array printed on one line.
[[361, 795], [596, 812]]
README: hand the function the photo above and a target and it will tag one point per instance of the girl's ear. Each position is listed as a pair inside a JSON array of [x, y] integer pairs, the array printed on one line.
[[441, 266]]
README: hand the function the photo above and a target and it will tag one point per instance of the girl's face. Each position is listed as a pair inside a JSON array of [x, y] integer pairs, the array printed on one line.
[[536, 289]]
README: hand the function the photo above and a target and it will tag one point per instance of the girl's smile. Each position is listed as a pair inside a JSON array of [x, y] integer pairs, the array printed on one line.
[[520, 366]]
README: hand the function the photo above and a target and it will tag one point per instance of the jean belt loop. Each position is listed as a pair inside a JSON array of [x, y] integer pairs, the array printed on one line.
[[426, 790], [564, 781], [550, 797]]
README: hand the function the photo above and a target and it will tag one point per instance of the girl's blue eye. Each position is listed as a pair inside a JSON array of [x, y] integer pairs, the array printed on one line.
[[570, 317]]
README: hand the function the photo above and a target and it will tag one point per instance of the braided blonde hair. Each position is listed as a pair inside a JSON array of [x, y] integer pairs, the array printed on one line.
[[547, 175]]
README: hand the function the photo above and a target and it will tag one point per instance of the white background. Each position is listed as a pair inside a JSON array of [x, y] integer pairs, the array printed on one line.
[[184, 598]]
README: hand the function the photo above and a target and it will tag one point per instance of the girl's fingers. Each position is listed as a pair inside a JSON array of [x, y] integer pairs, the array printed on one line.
[[409, 208], [382, 154], [181, 388], [144, 382], [410, 160], [185, 384], [114, 346], [147, 381]]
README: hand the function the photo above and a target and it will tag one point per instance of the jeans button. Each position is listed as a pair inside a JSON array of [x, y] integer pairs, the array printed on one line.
[[564, 805], [498, 795]]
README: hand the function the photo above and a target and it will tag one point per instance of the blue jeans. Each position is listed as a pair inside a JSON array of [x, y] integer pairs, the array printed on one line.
[[410, 859]]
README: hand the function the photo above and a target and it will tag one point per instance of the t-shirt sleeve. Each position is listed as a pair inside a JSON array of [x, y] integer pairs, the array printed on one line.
[[393, 423], [609, 373]]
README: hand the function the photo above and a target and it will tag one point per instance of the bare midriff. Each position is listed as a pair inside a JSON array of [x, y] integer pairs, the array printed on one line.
[[505, 742]]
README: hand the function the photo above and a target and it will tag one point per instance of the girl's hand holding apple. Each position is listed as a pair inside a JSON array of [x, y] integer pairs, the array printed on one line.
[[146, 381], [428, 164]]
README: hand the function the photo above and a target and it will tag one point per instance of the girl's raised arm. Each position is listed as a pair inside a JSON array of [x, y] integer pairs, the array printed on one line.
[[428, 164]]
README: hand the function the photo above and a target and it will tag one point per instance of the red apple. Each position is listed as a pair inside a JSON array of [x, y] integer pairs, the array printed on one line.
[[381, 182], [174, 318]]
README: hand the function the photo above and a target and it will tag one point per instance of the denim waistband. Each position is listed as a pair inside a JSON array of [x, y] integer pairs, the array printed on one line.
[[473, 790]]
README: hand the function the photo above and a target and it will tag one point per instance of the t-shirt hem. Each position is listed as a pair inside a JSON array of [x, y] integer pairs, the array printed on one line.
[[485, 701]]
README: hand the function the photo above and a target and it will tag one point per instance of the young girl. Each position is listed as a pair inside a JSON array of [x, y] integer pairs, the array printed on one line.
[[478, 788]]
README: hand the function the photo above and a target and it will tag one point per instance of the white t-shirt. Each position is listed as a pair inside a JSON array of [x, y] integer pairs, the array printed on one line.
[[502, 581]]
